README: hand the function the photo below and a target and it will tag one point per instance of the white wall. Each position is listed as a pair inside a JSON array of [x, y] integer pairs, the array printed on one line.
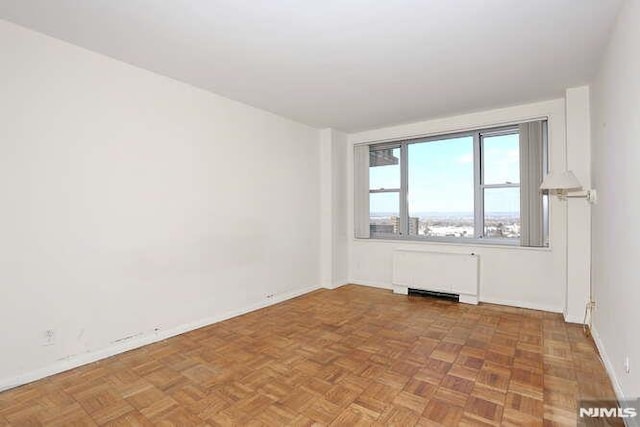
[[526, 277], [130, 201], [579, 210], [326, 208], [334, 256], [615, 108], [340, 235]]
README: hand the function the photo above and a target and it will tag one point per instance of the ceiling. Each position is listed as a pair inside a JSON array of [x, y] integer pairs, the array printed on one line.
[[346, 64]]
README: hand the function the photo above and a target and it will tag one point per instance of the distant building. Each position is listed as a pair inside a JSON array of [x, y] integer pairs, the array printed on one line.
[[414, 224], [382, 228]]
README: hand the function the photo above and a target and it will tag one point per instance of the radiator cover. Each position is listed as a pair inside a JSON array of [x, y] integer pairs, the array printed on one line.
[[453, 273]]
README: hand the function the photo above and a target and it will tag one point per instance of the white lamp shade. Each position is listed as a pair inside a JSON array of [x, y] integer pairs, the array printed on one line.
[[565, 180]]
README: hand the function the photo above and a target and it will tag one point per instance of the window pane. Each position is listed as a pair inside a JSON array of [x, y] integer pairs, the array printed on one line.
[[384, 213], [502, 213], [501, 159], [384, 168], [441, 188]]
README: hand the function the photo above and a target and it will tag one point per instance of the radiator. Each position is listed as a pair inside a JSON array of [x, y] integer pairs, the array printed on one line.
[[436, 271]]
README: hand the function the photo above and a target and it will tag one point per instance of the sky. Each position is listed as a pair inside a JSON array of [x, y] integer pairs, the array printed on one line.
[[441, 177]]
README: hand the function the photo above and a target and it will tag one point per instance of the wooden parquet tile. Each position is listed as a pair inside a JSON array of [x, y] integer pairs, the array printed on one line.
[[345, 357]]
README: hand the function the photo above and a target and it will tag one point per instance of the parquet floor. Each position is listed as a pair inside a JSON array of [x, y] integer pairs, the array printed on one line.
[[350, 356]]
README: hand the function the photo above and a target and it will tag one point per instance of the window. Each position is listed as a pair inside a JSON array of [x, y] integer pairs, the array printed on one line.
[[458, 187], [440, 187], [384, 190], [500, 184]]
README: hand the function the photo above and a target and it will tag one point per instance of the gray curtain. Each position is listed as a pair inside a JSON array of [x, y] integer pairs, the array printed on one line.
[[361, 189], [531, 174]]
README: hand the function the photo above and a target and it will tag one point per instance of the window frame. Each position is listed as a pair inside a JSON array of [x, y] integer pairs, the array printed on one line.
[[402, 191], [478, 183], [481, 186]]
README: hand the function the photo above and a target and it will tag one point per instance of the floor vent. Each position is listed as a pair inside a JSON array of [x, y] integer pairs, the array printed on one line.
[[434, 294]]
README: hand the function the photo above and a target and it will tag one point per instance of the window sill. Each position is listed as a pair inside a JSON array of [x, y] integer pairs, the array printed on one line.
[[470, 243]]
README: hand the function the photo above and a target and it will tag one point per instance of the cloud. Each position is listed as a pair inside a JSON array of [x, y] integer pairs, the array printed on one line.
[[466, 159]]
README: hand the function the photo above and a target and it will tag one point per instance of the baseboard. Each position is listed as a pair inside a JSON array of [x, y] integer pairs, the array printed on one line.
[[372, 284], [336, 285], [77, 360], [521, 304], [400, 290], [574, 319], [468, 299], [607, 364], [511, 303]]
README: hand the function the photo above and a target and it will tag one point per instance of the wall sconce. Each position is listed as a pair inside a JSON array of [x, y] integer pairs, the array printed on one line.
[[565, 185]]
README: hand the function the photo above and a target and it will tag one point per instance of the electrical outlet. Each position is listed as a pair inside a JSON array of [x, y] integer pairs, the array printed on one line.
[[49, 337], [269, 296], [627, 365]]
